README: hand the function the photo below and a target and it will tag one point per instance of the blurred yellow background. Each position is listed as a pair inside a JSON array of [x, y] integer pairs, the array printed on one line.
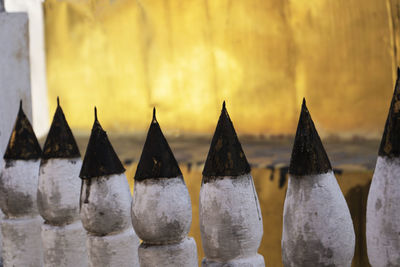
[[185, 57]]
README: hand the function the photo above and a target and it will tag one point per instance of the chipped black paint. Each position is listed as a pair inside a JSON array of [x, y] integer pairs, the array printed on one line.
[[100, 158], [226, 156], [308, 154], [60, 142], [23, 143], [390, 144], [157, 159]]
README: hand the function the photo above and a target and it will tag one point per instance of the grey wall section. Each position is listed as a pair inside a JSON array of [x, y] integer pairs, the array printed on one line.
[[14, 72]]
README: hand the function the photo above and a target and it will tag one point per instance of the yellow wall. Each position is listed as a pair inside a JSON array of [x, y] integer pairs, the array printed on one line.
[[186, 56]]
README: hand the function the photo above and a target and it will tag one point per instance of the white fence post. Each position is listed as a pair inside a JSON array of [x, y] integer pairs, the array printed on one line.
[[317, 226], [63, 236], [161, 206], [230, 216], [18, 185], [383, 205], [105, 205], [36, 58]]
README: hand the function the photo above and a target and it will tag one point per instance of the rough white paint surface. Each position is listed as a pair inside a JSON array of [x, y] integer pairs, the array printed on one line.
[[14, 72], [181, 254], [18, 187], [58, 190], [252, 261], [230, 220], [383, 214], [64, 246], [105, 204], [317, 226], [120, 250], [21, 242], [161, 210], [37, 61]]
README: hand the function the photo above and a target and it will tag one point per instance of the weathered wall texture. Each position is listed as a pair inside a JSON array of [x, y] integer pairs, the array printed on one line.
[[185, 57]]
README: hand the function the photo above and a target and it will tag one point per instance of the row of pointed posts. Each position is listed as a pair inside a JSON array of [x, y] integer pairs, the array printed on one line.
[[94, 196]]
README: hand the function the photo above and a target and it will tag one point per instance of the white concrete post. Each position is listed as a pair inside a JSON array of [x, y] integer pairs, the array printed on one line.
[[36, 59], [105, 205], [317, 226], [161, 206], [18, 185], [14, 70], [230, 216], [383, 205], [63, 236]]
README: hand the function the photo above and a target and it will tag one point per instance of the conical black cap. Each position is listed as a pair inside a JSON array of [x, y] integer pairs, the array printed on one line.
[[23, 143], [308, 154], [390, 144], [157, 159], [100, 158], [60, 142], [226, 156]]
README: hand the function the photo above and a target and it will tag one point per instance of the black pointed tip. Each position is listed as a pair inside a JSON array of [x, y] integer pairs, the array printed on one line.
[[224, 105], [304, 105], [95, 114], [226, 156], [58, 101], [308, 155], [60, 142], [23, 143], [100, 157], [390, 144], [157, 159], [154, 120]]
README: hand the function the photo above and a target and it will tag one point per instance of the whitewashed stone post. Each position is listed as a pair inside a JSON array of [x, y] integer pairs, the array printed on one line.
[[105, 205], [63, 236], [18, 185], [161, 206], [36, 58], [383, 205], [230, 216], [317, 226], [14, 70]]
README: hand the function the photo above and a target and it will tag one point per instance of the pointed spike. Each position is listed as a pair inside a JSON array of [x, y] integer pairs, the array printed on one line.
[[304, 103], [154, 115], [157, 159], [20, 104], [390, 144], [58, 101], [100, 158], [308, 154], [223, 105], [23, 143], [226, 156], [95, 113], [60, 142]]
